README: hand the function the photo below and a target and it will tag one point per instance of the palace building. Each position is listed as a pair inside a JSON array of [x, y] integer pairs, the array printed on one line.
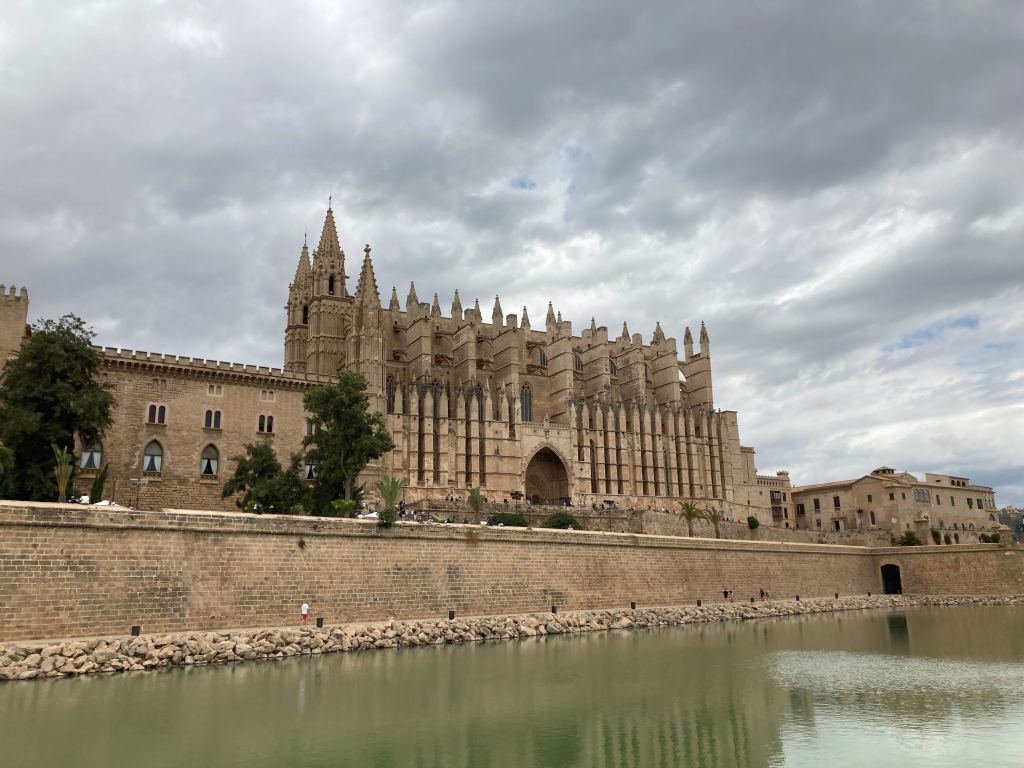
[[497, 404]]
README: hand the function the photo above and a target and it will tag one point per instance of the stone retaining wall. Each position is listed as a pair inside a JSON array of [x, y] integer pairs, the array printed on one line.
[[26, 661], [70, 571]]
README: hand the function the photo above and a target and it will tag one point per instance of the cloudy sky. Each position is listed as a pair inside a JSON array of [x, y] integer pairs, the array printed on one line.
[[836, 189]]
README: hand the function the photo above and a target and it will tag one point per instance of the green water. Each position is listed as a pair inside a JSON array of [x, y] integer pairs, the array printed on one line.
[[920, 687]]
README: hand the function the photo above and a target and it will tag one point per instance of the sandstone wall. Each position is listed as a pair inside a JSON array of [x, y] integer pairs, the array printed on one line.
[[70, 570]]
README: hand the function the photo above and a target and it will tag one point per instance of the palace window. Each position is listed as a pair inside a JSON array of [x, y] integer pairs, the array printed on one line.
[[309, 471], [389, 390], [214, 390], [835, 502], [92, 457], [330, 285], [818, 522], [577, 363], [267, 395], [266, 424], [310, 428], [800, 509], [542, 358], [869, 498], [817, 505], [922, 495], [157, 414], [212, 420], [612, 368], [526, 402], [981, 503], [871, 515], [153, 458], [970, 503], [952, 501], [208, 461], [892, 497]]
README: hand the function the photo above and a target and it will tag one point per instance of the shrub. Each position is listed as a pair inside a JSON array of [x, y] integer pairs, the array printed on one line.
[[908, 539], [936, 536], [342, 508], [96, 494], [387, 516], [509, 520], [562, 520], [993, 538], [297, 509], [752, 522]]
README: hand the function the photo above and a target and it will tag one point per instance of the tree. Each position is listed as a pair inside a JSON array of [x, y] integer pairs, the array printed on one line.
[[6, 462], [64, 466], [389, 488], [908, 539], [346, 437], [49, 395], [475, 499], [690, 512], [261, 480], [714, 516]]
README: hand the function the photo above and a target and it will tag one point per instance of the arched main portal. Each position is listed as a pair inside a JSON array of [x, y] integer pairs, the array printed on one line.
[[891, 582], [547, 482]]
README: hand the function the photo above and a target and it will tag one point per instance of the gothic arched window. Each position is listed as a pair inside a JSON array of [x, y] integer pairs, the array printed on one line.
[[92, 457], [526, 403], [542, 358], [577, 363], [389, 389], [208, 461], [305, 314], [330, 285], [612, 368], [153, 457], [262, 424], [161, 414]]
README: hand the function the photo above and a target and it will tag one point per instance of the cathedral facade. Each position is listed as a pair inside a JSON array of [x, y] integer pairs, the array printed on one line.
[[518, 411]]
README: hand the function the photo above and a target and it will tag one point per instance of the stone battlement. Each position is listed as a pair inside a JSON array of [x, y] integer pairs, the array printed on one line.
[[12, 296], [115, 355]]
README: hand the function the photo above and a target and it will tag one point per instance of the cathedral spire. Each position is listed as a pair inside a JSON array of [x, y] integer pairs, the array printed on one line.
[[366, 289], [435, 308], [476, 311], [412, 302], [593, 326], [330, 255], [659, 335], [705, 342], [303, 270], [550, 319], [525, 324], [625, 332], [394, 306], [496, 317], [688, 343], [456, 306]]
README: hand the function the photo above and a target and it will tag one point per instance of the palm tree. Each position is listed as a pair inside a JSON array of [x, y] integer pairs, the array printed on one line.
[[714, 516], [690, 512], [389, 487], [62, 471], [476, 500]]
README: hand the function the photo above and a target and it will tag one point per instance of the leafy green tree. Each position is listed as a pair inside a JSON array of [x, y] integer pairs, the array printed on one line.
[[347, 437], [690, 512], [714, 516], [261, 480], [752, 522], [389, 489], [6, 462], [49, 395]]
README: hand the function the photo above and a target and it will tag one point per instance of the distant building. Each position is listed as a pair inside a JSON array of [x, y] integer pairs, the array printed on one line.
[[897, 502]]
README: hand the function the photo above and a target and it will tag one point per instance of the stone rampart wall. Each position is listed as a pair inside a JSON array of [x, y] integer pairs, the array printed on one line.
[[73, 571]]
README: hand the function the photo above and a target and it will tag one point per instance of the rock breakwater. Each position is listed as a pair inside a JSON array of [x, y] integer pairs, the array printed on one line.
[[32, 660]]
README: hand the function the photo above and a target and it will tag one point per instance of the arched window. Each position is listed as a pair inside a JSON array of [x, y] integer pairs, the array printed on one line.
[[208, 420], [92, 457], [263, 424], [208, 462], [480, 405], [577, 363], [153, 457], [309, 471], [270, 423], [612, 368], [526, 403], [390, 393], [216, 419], [330, 285], [542, 358], [305, 314], [151, 418], [161, 414]]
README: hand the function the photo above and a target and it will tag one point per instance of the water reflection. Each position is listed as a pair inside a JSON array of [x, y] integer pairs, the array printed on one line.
[[772, 692]]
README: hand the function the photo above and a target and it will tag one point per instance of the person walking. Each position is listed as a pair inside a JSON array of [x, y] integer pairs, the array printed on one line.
[[305, 612]]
